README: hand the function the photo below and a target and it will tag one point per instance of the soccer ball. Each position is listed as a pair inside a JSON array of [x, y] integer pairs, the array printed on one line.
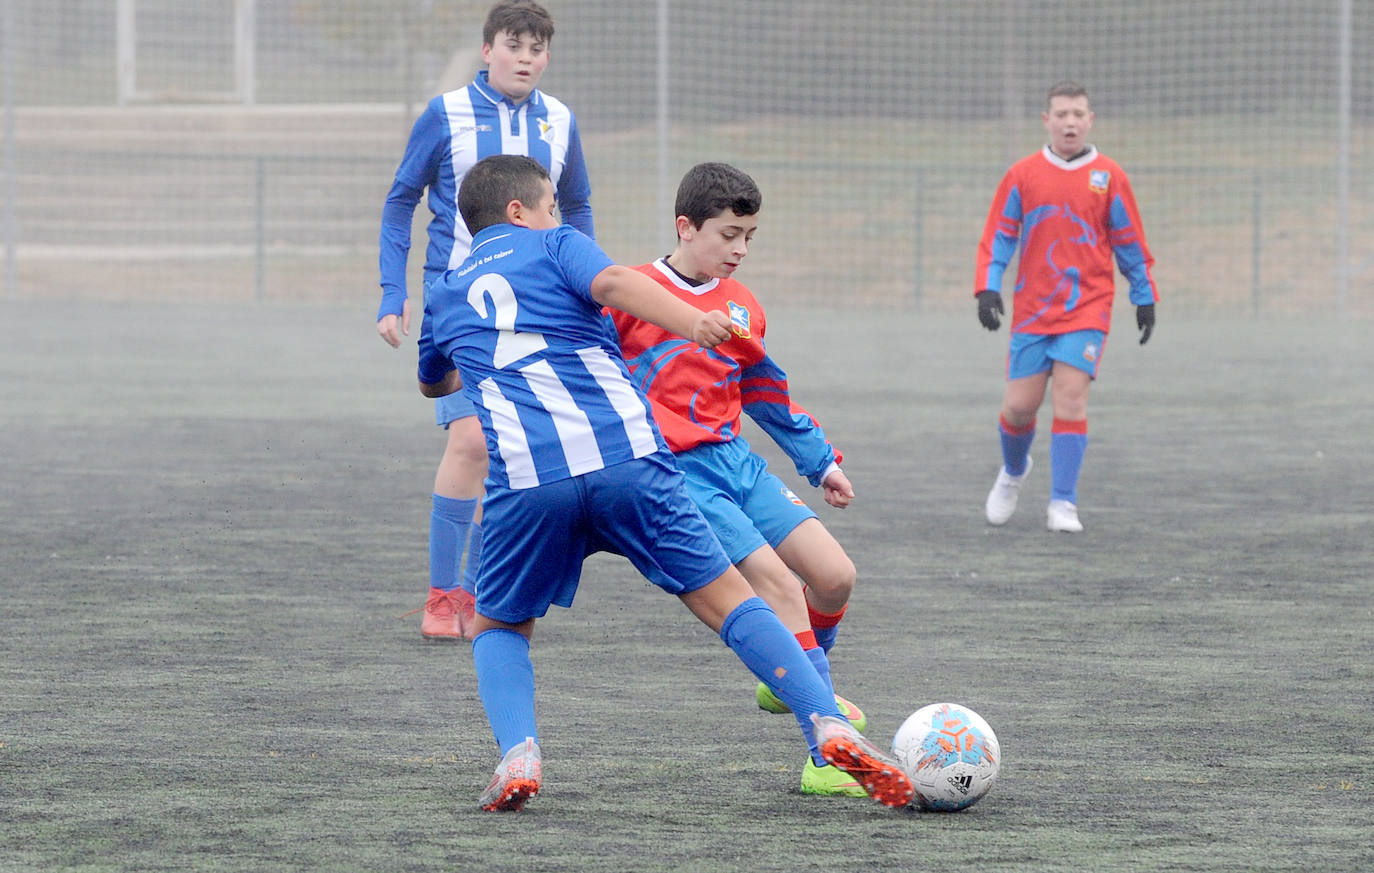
[[951, 755]]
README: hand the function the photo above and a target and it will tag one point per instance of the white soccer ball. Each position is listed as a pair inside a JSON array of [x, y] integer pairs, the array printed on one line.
[[951, 755]]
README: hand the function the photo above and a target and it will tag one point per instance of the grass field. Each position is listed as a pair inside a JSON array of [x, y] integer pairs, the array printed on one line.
[[213, 517]]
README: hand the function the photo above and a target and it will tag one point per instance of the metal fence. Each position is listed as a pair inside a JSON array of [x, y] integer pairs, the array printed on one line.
[[241, 149]]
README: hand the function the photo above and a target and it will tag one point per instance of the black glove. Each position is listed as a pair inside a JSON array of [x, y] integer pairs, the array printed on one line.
[[989, 308], [1145, 320]]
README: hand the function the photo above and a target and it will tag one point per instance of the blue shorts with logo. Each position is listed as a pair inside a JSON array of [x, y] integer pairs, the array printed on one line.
[[535, 539], [747, 506], [1033, 353]]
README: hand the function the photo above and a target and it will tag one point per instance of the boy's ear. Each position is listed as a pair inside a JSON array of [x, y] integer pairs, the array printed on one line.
[[685, 228], [516, 214]]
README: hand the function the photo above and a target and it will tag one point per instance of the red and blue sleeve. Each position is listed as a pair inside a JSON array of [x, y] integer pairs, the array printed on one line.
[[1001, 234], [766, 400]]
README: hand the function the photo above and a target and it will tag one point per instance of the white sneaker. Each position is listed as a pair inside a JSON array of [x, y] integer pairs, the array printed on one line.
[[1063, 517], [1005, 491]]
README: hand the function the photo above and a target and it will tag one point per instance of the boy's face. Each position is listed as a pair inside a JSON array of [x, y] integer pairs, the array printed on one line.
[[1068, 121], [714, 250], [515, 62]]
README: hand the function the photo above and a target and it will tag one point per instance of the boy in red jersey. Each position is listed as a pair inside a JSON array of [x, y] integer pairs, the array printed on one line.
[[1070, 209], [697, 397]]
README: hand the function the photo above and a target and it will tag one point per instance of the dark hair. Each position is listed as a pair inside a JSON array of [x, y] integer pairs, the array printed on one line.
[[711, 188], [493, 183], [1067, 88], [516, 17]]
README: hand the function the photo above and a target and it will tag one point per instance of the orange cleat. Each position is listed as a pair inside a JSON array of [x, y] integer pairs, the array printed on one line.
[[516, 780], [440, 623], [882, 777]]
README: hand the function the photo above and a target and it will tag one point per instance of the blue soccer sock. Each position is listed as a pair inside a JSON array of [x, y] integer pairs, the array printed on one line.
[[826, 626], [449, 519], [772, 653], [1068, 443], [822, 664], [474, 558], [505, 682], [1016, 444]]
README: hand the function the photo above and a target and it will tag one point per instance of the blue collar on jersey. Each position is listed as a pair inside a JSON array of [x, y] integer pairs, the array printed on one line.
[[484, 87]]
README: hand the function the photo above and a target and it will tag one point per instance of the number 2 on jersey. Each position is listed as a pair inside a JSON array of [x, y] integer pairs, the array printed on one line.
[[511, 345]]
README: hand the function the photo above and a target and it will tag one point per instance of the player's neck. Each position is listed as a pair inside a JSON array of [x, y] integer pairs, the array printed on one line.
[[1068, 159], [678, 264]]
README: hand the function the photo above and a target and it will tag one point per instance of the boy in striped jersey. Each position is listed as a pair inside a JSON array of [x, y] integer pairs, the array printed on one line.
[[501, 112], [1071, 210], [577, 465]]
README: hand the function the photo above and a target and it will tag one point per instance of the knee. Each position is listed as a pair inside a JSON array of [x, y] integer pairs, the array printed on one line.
[[835, 584], [466, 444]]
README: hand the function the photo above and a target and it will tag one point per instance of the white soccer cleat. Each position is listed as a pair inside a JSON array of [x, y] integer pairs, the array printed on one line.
[[1005, 491], [1063, 517], [516, 780]]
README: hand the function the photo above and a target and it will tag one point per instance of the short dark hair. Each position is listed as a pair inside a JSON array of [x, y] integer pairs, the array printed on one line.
[[709, 189], [516, 17], [1067, 88], [493, 183]]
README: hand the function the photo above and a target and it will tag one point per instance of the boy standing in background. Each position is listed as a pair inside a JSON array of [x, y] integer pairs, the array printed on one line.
[[1071, 209], [501, 112]]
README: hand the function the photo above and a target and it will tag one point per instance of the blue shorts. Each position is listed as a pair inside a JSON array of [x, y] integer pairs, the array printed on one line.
[[451, 407], [747, 506], [1033, 353], [535, 539]]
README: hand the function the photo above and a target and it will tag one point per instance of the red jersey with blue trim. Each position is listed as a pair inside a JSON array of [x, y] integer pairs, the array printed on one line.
[[1069, 218], [697, 394]]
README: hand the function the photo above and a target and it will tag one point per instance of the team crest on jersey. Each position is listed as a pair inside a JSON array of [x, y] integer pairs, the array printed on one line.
[[739, 320], [787, 492], [1097, 181], [547, 132], [1090, 352]]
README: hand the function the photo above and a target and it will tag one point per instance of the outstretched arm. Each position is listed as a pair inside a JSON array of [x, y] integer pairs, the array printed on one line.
[[630, 291]]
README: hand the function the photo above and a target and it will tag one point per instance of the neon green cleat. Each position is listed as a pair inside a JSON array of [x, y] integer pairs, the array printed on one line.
[[829, 781], [770, 702]]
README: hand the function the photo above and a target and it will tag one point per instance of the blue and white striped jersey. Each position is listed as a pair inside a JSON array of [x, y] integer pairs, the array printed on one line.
[[456, 130], [551, 389]]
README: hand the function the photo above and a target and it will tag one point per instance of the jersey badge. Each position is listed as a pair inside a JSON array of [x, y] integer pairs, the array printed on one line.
[[1090, 352], [739, 320], [547, 132], [1097, 181]]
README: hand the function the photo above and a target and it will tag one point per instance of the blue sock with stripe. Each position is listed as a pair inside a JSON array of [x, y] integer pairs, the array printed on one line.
[[505, 683], [1016, 445]]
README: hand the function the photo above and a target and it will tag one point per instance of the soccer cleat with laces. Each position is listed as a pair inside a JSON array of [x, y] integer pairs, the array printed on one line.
[[770, 702], [441, 616], [516, 779], [1063, 517], [846, 748], [1003, 496], [829, 781]]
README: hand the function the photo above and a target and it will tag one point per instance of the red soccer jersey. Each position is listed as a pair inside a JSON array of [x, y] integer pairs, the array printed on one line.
[[1069, 218], [698, 394]]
